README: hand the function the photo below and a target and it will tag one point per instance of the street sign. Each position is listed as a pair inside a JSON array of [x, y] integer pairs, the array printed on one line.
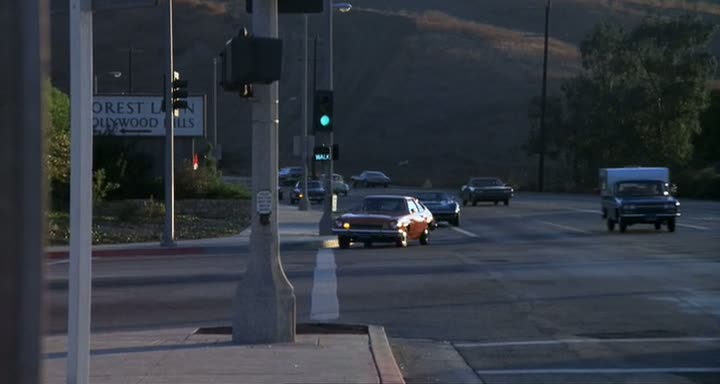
[[130, 115], [264, 202]]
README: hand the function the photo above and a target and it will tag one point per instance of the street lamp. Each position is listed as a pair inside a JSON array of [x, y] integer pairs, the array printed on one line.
[[115, 74], [304, 204]]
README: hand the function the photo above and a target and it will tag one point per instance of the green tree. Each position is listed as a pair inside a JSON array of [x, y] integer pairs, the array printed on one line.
[[58, 148], [707, 142], [638, 99]]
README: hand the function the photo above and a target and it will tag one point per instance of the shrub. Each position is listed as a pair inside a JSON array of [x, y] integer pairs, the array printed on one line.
[[703, 183], [205, 182]]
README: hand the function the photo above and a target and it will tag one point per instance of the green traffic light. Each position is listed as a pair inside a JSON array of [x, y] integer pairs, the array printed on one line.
[[325, 120]]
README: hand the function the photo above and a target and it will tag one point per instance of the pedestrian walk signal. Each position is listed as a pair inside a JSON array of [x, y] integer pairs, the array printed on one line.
[[322, 153]]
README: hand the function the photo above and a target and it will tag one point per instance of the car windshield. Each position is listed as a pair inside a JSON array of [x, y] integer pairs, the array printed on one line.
[[640, 188], [384, 205], [485, 182], [433, 196], [314, 184], [375, 174]]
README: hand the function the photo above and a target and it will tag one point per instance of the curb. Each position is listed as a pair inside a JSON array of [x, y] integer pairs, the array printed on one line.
[[388, 370], [189, 250]]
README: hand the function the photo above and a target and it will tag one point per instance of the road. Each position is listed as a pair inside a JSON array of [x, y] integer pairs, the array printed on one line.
[[537, 291]]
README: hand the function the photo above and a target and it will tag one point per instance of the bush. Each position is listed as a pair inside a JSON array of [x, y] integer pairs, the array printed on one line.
[[703, 184], [205, 183]]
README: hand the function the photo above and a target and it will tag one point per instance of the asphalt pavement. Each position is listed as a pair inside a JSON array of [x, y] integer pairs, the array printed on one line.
[[534, 292]]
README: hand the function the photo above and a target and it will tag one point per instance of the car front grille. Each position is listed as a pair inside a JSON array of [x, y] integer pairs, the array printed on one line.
[[366, 226]]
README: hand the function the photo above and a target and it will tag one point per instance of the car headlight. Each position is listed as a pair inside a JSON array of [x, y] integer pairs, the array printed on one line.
[[392, 224], [677, 203]]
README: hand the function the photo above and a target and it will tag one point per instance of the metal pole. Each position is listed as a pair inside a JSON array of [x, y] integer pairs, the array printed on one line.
[[215, 101], [304, 204], [79, 295], [169, 230], [314, 86], [130, 69], [24, 40], [541, 159], [264, 306], [95, 84], [326, 220]]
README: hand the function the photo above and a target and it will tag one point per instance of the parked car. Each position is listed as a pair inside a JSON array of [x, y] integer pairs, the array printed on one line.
[[442, 205], [339, 185], [486, 189], [385, 218], [370, 179], [289, 175], [638, 195], [315, 191]]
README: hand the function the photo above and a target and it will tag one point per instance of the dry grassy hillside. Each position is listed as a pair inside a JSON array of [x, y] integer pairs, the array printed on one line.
[[443, 84]]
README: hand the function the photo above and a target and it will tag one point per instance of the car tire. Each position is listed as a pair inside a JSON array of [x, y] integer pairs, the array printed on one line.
[[495, 202], [385, 185], [658, 225], [365, 184], [474, 202], [424, 238], [402, 242], [292, 201], [344, 242], [455, 221], [610, 225], [464, 202], [623, 227], [506, 202], [671, 225]]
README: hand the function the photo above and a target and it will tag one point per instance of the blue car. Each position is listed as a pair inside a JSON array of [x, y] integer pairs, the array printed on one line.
[[442, 205]]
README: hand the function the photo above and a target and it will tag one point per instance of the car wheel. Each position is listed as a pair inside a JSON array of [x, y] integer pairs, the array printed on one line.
[[455, 221], [671, 225], [344, 242], [506, 202], [474, 202], [658, 225], [367, 244], [402, 242], [495, 202], [292, 201], [385, 185], [464, 202], [365, 184], [623, 227], [424, 238], [610, 225]]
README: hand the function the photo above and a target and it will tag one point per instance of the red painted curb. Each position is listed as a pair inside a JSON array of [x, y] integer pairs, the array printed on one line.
[[387, 368], [61, 255]]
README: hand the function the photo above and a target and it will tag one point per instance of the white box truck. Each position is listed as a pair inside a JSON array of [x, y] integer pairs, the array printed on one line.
[[637, 195]]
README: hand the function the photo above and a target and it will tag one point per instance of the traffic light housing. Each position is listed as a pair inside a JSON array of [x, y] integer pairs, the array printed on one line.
[[323, 111], [247, 59], [179, 93], [322, 153]]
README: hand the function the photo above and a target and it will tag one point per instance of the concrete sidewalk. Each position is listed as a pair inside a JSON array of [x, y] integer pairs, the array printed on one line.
[[295, 227], [182, 357]]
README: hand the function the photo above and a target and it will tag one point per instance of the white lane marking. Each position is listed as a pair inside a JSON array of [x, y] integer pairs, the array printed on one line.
[[464, 232], [693, 226], [565, 227], [324, 300], [50, 263], [586, 371], [586, 210], [588, 341]]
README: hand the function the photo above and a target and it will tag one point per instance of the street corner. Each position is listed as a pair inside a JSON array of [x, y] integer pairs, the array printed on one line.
[[387, 367]]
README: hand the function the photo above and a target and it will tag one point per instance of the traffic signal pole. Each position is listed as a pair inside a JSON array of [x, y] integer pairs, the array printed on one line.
[[169, 229], [304, 204], [264, 304], [326, 220]]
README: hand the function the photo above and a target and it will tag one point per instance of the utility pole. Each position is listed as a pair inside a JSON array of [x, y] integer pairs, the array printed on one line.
[[314, 87], [264, 305], [326, 220], [81, 134], [541, 159], [304, 204], [169, 229], [24, 28], [130, 51], [215, 102]]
